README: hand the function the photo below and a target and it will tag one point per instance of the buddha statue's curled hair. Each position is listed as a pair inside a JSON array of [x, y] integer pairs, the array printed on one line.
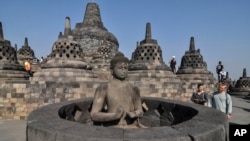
[[119, 57]]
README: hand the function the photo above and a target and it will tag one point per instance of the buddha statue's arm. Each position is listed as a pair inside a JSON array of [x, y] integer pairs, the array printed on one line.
[[98, 103], [137, 104]]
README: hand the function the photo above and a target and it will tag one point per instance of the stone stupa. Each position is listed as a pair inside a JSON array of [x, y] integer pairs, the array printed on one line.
[[65, 62], [10, 69], [97, 43], [147, 59], [242, 86], [148, 70], [192, 63], [26, 52], [148, 54], [193, 69]]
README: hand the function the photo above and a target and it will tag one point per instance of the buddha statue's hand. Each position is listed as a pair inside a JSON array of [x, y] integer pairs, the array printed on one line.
[[131, 114], [119, 112], [135, 114]]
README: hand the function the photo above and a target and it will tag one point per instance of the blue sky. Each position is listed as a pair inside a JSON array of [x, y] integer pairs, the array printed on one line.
[[221, 28]]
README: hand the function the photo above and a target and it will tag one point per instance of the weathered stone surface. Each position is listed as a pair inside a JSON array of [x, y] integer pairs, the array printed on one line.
[[93, 28], [98, 45], [155, 134], [201, 123]]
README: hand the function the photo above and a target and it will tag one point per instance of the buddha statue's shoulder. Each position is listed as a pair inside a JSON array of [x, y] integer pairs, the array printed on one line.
[[103, 86]]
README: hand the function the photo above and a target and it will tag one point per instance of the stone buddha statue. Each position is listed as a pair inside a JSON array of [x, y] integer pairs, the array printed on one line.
[[117, 103]]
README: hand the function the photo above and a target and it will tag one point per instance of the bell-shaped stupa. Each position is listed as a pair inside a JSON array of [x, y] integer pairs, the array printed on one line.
[[10, 69], [65, 62], [148, 70], [192, 62], [242, 86], [148, 54], [91, 33], [26, 52], [193, 69]]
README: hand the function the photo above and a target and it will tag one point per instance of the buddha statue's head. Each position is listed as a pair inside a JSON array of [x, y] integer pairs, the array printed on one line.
[[119, 66]]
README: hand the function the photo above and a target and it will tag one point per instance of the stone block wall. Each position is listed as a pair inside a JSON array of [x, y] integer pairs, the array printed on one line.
[[172, 89], [19, 98], [13, 95], [191, 81]]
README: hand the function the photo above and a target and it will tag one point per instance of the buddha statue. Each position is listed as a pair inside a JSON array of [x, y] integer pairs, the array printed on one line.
[[118, 102]]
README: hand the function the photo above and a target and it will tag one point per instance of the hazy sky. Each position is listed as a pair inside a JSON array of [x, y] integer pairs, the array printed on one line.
[[221, 28]]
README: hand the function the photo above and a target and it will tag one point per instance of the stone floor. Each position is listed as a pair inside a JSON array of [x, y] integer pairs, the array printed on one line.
[[241, 111], [14, 130]]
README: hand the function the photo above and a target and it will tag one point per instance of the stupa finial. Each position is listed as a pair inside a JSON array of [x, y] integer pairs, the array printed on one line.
[[67, 29], [148, 31], [192, 45], [26, 42], [1, 31], [92, 16], [244, 72]]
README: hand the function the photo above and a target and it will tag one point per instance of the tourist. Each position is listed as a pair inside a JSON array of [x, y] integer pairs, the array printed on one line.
[[42, 59], [219, 67], [221, 100], [223, 74], [199, 97], [27, 66], [173, 64], [121, 98]]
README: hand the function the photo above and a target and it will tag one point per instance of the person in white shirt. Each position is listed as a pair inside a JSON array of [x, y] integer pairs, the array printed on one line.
[[42, 59], [223, 74]]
